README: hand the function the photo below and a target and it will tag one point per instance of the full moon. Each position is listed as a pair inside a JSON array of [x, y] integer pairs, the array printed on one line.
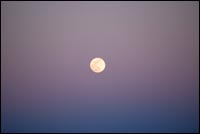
[[97, 65]]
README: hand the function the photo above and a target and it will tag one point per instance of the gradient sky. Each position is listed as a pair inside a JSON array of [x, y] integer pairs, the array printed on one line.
[[151, 80]]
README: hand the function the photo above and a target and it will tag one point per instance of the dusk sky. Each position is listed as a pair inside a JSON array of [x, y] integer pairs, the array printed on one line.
[[151, 79]]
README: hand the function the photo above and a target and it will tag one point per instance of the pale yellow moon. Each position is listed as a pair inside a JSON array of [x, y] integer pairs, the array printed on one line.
[[97, 65]]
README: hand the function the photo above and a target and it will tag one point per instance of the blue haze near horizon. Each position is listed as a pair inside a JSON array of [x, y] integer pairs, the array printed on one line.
[[151, 79]]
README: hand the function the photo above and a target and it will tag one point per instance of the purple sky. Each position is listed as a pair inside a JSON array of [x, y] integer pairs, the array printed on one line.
[[150, 84]]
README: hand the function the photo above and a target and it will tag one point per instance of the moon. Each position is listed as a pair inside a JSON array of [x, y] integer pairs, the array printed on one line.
[[97, 65]]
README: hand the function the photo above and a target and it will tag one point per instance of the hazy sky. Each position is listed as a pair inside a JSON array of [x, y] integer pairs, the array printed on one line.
[[151, 80]]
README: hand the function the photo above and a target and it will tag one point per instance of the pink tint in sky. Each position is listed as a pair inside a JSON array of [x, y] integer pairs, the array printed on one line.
[[150, 84]]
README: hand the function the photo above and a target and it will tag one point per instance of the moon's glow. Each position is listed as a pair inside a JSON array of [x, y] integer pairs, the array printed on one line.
[[97, 65]]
